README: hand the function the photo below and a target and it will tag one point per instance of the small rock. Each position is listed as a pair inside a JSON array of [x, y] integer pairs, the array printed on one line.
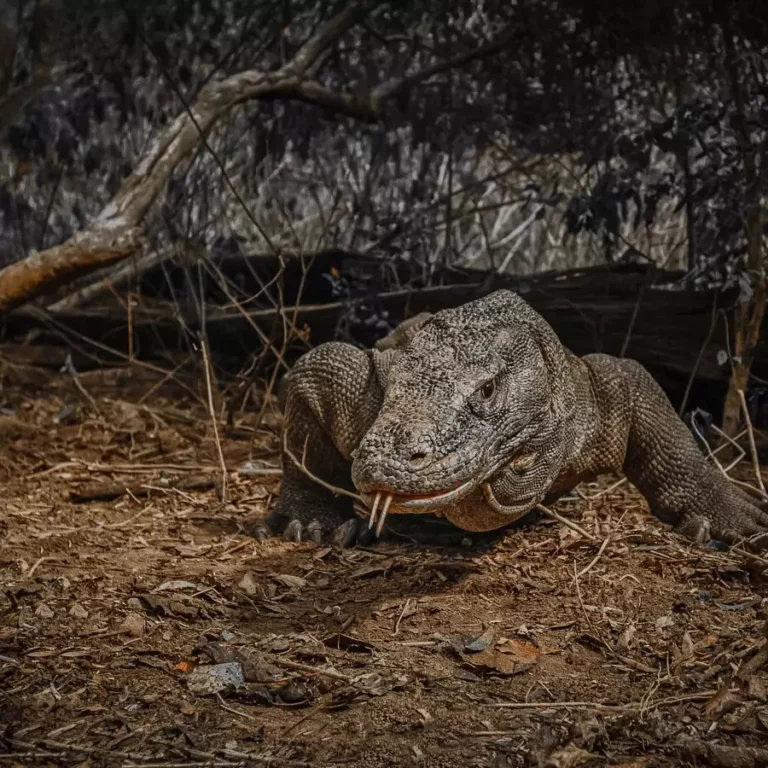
[[249, 584], [288, 580], [480, 643], [134, 625], [44, 612], [78, 612], [664, 622], [135, 604], [214, 678], [226, 635]]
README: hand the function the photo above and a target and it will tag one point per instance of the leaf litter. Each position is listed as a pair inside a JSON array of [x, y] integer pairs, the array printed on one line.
[[151, 629]]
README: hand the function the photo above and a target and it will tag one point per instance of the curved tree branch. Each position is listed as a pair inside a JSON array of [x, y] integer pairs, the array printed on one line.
[[120, 220], [116, 232]]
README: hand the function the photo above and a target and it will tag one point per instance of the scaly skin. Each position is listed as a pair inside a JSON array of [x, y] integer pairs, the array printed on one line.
[[477, 414]]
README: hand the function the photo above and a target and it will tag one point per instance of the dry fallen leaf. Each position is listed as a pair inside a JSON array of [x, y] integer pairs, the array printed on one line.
[[724, 701], [520, 651]]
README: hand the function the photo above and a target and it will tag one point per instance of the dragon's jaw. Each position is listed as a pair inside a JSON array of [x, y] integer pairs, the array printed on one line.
[[384, 501]]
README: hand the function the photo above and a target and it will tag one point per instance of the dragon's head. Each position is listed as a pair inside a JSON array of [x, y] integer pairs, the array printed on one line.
[[473, 402]]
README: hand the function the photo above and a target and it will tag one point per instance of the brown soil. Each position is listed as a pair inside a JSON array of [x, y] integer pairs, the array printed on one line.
[[536, 648]]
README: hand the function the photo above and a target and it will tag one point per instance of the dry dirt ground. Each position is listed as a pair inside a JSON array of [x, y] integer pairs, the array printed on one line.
[[539, 647]]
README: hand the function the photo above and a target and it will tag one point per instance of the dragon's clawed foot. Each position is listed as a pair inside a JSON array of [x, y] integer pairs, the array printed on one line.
[[743, 524], [319, 527]]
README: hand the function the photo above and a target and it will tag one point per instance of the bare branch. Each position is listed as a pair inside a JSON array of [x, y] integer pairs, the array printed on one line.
[[114, 278], [396, 85], [327, 36], [39, 273]]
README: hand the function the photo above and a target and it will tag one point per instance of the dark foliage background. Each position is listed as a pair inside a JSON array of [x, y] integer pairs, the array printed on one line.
[[600, 132]]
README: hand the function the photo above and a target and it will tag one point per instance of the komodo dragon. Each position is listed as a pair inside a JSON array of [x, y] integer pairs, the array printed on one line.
[[477, 414]]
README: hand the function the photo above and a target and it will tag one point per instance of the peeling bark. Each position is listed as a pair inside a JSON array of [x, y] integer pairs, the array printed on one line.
[[44, 271]]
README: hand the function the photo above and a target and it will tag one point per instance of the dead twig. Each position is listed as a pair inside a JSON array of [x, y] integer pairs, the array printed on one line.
[[634, 706], [111, 491], [568, 523], [212, 412], [299, 667], [302, 467], [578, 594], [38, 563], [599, 554], [234, 711], [610, 488], [723, 471]]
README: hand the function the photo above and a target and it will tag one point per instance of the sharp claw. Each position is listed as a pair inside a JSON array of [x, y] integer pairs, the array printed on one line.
[[374, 508], [260, 533], [345, 534], [315, 532], [293, 531], [384, 510]]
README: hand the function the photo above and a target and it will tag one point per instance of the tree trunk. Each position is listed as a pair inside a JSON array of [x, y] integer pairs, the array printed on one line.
[[748, 318]]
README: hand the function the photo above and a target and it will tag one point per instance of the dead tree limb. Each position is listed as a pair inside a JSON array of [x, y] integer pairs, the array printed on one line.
[[114, 278], [44, 271], [116, 233], [292, 81]]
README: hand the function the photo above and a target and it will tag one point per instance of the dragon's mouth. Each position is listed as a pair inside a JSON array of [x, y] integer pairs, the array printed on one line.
[[381, 502]]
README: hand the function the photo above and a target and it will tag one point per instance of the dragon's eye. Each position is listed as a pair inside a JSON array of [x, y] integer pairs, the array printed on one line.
[[488, 390]]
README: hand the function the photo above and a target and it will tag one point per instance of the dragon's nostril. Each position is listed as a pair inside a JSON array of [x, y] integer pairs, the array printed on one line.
[[418, 459]]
